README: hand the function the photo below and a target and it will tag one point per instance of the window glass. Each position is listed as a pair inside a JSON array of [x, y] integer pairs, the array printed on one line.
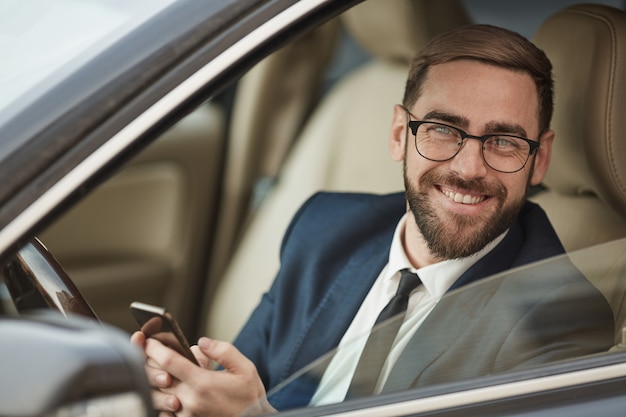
[[40, 38], [563, 308]]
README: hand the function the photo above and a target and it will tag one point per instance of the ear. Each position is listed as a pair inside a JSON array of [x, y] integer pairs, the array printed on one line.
[[542, 158], [398, 134]]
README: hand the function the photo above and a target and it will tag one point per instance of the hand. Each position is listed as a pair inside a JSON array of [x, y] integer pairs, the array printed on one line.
[[158, 379], [190, 390]]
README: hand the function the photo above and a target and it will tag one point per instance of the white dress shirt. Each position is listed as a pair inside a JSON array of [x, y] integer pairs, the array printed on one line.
[[436, 279]]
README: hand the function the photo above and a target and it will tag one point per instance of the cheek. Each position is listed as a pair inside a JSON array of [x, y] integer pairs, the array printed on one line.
[[516, 187], [416, 166]]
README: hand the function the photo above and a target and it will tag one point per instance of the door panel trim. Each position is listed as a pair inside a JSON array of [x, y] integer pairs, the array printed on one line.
[[489, 393]]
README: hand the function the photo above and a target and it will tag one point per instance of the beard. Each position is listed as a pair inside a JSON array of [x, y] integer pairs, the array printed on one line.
[[451, 235]]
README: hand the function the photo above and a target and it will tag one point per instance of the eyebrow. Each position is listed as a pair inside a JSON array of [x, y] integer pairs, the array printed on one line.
[[463, 123], [460, 121], [512, 129]]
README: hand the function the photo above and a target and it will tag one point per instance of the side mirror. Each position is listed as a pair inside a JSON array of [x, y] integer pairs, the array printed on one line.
[[69, 366]]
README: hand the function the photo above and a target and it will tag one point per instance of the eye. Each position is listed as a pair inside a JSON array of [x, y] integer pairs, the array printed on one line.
[[440, 131], [504, 142], [443, 130]]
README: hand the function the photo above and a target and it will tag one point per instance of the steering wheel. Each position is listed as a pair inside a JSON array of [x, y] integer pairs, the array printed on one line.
[[37, 281]]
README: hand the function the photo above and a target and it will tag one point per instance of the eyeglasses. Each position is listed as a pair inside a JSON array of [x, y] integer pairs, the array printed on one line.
[[440, 142]]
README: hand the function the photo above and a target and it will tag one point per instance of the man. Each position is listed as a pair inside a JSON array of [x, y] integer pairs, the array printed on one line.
[[473, 135]]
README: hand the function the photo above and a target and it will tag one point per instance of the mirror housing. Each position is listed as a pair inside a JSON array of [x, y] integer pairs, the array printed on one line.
[[64, 366]]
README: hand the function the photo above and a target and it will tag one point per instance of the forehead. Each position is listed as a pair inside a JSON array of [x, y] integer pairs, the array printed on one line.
[[482, 94]]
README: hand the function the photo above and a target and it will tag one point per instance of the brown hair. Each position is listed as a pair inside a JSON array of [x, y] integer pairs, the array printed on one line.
[[491, 45]]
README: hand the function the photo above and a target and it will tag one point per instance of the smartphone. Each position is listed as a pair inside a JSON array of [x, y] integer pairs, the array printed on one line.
[[158, 323]]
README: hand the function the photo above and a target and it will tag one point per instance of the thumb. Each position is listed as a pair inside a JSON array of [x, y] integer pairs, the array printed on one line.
[[138, 339], [225, 354], [239, 379]]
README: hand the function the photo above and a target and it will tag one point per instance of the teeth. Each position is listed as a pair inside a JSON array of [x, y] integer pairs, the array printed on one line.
[[463, 198]]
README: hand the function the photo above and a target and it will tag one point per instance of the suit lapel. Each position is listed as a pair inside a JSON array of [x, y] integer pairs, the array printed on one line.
[[366, 249], [432, 340], [343, 299]]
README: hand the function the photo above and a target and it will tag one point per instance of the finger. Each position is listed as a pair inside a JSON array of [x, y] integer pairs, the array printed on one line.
[[238, 387], [201, 357], [151, 362], [138, 339], [158, 378], [169, 360], [165, 402], [225, 354]]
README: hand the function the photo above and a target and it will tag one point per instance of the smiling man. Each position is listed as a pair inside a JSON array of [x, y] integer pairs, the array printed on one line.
[[473, 134], [463, 192]]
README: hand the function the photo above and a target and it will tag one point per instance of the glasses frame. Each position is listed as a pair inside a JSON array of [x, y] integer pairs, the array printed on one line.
[[413, 125]]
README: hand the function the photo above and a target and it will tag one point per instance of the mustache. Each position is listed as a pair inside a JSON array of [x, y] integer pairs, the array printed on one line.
[[475, 185]]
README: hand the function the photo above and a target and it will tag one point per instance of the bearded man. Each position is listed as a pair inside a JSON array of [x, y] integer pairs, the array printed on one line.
[[473, 134]]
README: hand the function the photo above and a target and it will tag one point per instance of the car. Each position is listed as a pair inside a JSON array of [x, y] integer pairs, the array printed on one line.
[[156, 151]]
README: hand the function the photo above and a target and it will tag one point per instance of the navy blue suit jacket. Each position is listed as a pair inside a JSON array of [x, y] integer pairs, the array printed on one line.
[[332, 252]]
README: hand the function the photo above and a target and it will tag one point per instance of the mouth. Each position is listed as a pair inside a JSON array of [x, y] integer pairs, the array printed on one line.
[[463, 197]]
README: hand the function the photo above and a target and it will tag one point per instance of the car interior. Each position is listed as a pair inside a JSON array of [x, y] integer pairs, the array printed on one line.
[[200, 214], [585, 195]]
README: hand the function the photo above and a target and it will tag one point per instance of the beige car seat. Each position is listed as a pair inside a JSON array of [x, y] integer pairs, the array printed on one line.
[[271, 103], [344, 146], [586, 197], [586, 181]]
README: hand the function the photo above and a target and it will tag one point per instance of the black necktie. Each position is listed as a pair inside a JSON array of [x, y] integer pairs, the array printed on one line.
[[380, 340]]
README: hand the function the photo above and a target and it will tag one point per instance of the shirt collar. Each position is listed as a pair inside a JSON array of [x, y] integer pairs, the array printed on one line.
[[436, 278]]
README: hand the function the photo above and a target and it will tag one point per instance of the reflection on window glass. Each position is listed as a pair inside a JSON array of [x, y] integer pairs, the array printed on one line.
[[564, 308], [40, 37]]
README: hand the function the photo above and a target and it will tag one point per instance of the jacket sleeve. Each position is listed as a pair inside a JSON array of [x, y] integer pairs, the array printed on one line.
[[255, 338]]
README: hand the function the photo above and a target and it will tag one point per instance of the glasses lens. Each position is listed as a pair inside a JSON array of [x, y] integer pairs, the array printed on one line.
[[506, 153], [437, 142]]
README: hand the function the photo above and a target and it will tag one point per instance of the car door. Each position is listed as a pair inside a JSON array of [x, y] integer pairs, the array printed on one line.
[[581, 385]]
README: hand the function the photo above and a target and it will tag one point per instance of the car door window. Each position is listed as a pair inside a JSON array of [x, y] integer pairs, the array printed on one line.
[[566, 310]]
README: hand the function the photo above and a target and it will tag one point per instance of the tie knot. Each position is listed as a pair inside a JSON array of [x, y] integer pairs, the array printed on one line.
[[408, 282]]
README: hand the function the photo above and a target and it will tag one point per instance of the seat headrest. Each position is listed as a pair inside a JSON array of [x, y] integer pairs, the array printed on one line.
[[396, 29], [587, 46]]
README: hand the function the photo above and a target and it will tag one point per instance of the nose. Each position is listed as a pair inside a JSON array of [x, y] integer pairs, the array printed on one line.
[[469, 162]]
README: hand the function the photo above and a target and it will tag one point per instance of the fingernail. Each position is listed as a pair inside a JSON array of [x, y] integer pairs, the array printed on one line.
[[161, 379], [170, 402], [204, 342]]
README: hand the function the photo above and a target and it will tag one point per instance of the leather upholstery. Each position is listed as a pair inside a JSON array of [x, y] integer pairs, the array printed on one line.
[[414, 23], [586, 200]]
